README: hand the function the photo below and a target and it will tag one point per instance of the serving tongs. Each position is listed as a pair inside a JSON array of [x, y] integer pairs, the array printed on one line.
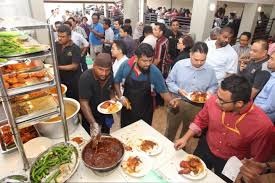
[[96, 140]]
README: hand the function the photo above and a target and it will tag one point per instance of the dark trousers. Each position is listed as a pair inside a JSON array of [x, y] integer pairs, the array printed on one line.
[[83, 64], [210, 159]]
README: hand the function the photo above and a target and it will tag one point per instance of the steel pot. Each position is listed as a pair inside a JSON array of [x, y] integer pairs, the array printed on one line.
[[106, 170], [55, 129]]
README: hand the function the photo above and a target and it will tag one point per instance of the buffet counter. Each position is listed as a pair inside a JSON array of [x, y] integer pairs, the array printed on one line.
[[164, 164]]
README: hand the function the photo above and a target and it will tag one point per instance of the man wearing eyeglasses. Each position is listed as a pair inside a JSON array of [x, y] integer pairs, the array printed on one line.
[[140, 79], [236, 127]]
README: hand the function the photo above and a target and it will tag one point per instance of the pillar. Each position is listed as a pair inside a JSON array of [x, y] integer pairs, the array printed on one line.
[[35, 9], [272, 15], [249, 18], [105, 10], [131, 10], [202, 19]]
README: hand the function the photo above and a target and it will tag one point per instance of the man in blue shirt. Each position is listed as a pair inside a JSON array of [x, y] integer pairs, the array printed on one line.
[[189, 75], [266, 98], [140, 79], [96, 34]]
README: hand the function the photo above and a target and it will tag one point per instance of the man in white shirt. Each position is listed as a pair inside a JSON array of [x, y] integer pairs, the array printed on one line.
[[149, 37], [119, 53], [221, 56], [108, 36], [82, 43], [77, 28]]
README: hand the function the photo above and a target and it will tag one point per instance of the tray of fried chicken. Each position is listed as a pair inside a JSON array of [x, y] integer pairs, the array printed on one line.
[[7, 140], [26, 79], [25, 65]]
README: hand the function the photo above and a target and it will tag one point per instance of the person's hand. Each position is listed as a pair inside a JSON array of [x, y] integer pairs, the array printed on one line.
[[243, 66], [102, 40], [174, 103], [251, 170], [94, 129], [180, 143], [125, 102], [182, 92]]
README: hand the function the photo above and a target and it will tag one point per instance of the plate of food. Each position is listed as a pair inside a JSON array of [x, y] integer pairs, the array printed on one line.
[[62, 162], [197, 97], [109, 107], [136, 164], [192, 167], [148, 145]]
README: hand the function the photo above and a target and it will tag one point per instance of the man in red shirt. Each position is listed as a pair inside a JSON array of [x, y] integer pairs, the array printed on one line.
[[236, 127], [161, 58]]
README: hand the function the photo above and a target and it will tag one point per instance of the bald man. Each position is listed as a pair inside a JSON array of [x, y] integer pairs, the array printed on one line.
[[256, 70], [95, 86]]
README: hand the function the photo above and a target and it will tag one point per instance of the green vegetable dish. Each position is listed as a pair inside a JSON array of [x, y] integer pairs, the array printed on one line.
[[55, 165], [16, 44]]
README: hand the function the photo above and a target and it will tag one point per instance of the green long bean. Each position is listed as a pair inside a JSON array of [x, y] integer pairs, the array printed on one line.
[[50, 161]]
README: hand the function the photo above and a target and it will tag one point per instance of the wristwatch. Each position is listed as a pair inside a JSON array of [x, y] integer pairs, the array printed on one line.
[[267, 169]]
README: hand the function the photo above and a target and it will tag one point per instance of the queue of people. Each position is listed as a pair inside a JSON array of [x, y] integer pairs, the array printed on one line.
[[236, 120]]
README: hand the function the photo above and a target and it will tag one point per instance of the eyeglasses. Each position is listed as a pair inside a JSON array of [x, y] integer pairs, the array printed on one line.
[[222, 102], [179, 43]]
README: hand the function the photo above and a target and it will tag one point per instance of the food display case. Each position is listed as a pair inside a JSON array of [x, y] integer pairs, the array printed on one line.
[[24, 80]]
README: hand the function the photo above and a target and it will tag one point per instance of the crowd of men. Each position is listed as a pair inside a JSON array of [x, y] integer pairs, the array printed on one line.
[[162, 66]]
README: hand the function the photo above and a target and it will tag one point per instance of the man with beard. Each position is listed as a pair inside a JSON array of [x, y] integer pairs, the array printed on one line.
[[140, 79], [95, 86], [236, 127], [221, 56], [68, 57]]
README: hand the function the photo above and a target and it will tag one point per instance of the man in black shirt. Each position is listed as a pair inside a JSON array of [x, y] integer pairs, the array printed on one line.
[[95, 86], [256, 70], [173, 34], [68, 57]]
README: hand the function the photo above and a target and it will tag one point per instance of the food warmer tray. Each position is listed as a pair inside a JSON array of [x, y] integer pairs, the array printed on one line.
[[41, 54], [20, 66], [4, 148], [47, 83], [17, 43], [35, 109]]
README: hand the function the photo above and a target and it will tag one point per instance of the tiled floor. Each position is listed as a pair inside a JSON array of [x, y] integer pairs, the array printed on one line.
[[159, 123]]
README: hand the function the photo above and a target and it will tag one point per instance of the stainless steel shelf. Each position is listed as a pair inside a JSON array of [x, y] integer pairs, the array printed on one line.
[[28, 56], [16, 91], [36, 117]]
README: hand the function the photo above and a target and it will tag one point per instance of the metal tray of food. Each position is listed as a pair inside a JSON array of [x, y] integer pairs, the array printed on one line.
[[29, 109], [7, 141], [38, 171], [17, 83], [25, 65], [15, 43]]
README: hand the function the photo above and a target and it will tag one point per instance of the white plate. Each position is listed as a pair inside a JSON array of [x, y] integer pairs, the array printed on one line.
[[191, 175], [152, 152], [105, 111], [144, 168], [188, 96]]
